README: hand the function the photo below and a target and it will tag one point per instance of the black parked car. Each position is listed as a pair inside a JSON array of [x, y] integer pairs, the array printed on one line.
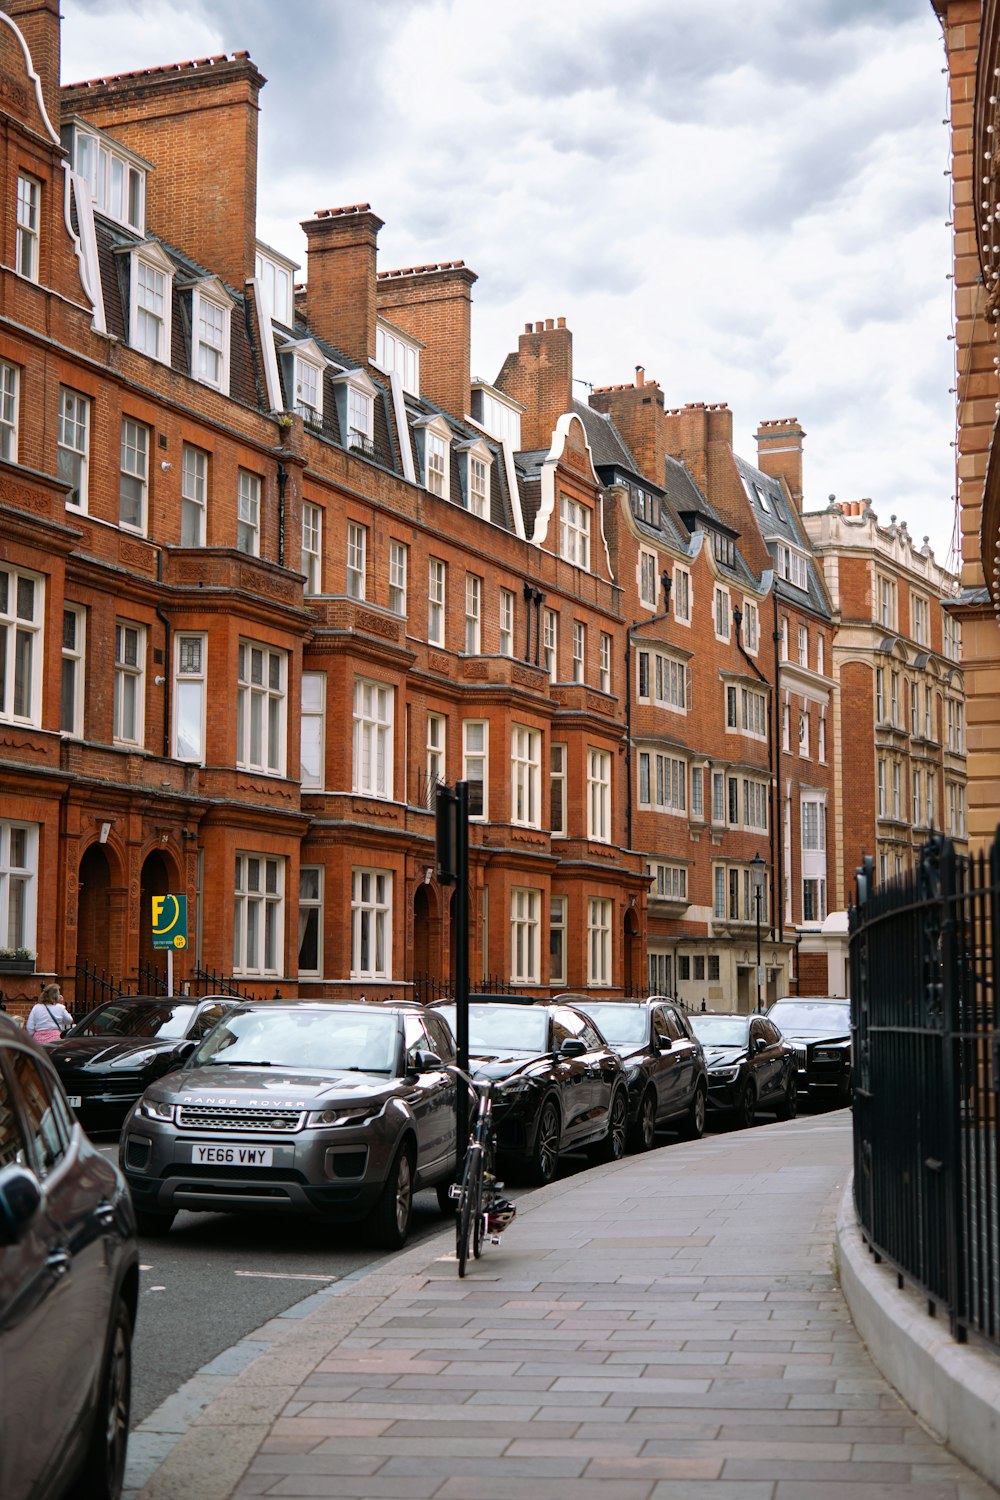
[[334, 1111], [107, 1059], [559, 1086], [664, 1064], [819, 1028], [750, 1066], [69, 1280]]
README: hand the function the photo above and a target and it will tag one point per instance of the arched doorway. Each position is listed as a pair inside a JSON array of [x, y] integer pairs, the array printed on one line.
[[426, 952], [93, 910], [154, 881]]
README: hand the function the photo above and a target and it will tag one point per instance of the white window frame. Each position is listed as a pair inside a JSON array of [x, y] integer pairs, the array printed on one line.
[[476, 473], [18, 883], [194, 495], [599, 941], [681, 595], [312, 731], [921, 620], [434, 443], [259, 914], [574, 532], [276, 275], [881, 803], [721, 613], [803, 645], [393, 352], [310, 904], [820, 653], [29, 199], [437, 577], [557, 940], [73, 680], [311, 560], [360, 417], [473, 614], [598, 795], [647, 578], [134, 472], [371, 923], [261, 708], [604, 666], [130, 683], [793, 566], [211, 315], [525, 776], [150, 298], [475, 759], [885, 601], [437, 750], [579, 651], [751, 626], [116, 178], [190, 669], [248, 488], [307, 385], [506, 622], [525, 945], [374, 739], [356, 561], [397, 577], [550, 642], [557, 789], [10, 388], [22, 646]]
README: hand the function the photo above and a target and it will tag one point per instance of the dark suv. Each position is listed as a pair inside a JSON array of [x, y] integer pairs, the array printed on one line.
[[334, 1110], [69, 1279]]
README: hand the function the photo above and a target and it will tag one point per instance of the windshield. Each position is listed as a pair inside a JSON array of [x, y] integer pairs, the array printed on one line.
[[720, 1031], [328, 1040], [118, 1018], [812, 1016], [621, 1023], [503, 1028]]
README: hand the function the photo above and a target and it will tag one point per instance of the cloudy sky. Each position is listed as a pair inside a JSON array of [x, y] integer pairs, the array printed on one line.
[[747, 197]]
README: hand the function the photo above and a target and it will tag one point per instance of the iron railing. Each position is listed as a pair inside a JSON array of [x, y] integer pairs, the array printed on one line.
[[926, 1076]]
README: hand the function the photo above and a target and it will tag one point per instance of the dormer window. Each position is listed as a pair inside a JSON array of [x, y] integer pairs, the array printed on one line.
[[304, 363], [434, 440], [276, 275], [475, 471], [394, 351], [497, 413], [723, 549], [792, 566], [211, 307], [149, 301], [574, 532], [115, 176], [355, 393]]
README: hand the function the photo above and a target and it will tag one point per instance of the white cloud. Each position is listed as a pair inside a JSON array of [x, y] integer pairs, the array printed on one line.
[[748, 200]]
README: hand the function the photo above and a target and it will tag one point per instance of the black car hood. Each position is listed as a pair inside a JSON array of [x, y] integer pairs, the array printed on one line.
[[730, 1055], [100, 1051], [241, 1086], [502, 1065], [812, 1034]]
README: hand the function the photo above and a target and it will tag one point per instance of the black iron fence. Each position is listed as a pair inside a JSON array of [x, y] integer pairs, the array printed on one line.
[[926, 1079], [93, 986]]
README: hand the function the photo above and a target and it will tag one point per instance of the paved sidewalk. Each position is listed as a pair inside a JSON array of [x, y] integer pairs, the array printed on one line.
[[666, 1328]]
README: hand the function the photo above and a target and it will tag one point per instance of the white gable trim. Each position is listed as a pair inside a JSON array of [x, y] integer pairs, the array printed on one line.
[[547, 477], [266, 330], [6, 21], [85, 244]]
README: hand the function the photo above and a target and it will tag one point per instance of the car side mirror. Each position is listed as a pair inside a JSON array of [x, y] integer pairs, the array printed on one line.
[[20, 1197], [424, 1062], [185, 1049], [573, 1046], [759, 1043], [664, 1043]]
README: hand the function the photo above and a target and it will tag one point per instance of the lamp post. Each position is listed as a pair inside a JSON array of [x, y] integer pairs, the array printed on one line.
[[758, 874]]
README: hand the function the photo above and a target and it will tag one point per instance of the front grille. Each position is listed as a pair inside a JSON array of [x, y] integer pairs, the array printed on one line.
[[209, 1117], [801, 1056]]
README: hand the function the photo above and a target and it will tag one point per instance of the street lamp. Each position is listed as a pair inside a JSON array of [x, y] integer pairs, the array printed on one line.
[[758, 874]]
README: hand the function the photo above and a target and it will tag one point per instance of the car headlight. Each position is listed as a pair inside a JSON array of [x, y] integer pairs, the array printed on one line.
[[632, 1072], [155, 1109], [829, 1054], [726, 1074], [509, 1088], [135, 1062], [343, 1114]]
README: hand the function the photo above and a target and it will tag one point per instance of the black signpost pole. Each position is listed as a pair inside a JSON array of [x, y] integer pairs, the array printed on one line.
[[453, 869]]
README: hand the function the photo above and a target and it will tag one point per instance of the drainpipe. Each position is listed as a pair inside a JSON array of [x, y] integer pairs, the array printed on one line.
[[165, 679], [528, 592], [282, 481], [538, 598]]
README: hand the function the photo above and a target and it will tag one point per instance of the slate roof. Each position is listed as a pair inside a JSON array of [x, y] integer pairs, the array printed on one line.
[[778, 521]]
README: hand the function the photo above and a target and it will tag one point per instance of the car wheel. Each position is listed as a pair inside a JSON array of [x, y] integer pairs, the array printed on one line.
[[693, 1127], [542, 1166], [746, 1109], [152, 1224], [104, 1466], [389, 1223], [643, 1132], [612, 1147], [789, 1106]]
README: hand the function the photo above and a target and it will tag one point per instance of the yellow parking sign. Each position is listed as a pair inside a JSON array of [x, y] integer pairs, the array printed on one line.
[[170, 921]]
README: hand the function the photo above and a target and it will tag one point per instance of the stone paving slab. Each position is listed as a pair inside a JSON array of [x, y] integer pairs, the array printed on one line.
[[669, 1327]]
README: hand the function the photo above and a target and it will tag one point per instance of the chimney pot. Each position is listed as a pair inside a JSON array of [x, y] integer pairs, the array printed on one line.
[[560, 322], [549, 323], [640, 375]]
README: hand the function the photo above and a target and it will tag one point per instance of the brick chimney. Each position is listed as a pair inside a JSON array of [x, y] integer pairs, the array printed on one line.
[[197, 123], [434, 304], [340, 290], [540, 376], [779, 453], [637, 412], [38, 23]]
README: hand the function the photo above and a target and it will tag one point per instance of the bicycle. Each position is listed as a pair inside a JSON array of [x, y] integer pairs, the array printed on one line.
[[482, 1211]]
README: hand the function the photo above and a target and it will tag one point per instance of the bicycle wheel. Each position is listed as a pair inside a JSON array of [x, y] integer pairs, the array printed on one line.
[[485, 1179], [469, 1205]]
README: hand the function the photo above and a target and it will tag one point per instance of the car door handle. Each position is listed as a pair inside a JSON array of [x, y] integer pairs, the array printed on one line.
[[58, 1263]]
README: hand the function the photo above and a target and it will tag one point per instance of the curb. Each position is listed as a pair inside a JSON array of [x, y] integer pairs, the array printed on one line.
[[953, 1388]]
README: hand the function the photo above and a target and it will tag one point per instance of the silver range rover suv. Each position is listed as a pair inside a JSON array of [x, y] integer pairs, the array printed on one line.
[[336, 1111]]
